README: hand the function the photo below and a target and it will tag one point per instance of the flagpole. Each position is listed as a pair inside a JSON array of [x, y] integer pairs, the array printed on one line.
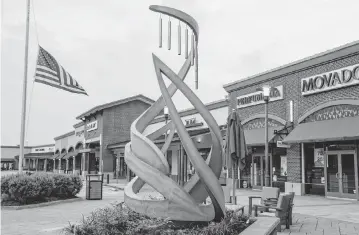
[[24, 92]]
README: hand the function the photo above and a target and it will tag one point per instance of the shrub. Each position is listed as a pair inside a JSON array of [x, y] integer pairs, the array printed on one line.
[[5, 183], [37, 187]]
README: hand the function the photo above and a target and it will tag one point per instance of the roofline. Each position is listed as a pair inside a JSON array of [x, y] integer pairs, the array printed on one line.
[[325, 57], [64, 135], [210, 106], [98, 108], [45, 145], [79, 124], [14, 146]]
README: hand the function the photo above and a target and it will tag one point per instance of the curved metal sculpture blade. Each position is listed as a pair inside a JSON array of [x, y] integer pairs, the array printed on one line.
[[148, 162]]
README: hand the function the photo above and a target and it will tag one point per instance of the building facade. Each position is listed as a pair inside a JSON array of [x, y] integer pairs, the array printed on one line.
[[313, 124], [180, 166]]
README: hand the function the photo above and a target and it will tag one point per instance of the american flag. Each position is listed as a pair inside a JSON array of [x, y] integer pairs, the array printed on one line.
[[50, 72]]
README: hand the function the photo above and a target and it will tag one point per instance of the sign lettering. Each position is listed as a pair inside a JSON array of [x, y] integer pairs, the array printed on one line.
[[256, 98], [91, 126], [348, 76], [42, 150], [79, 133]]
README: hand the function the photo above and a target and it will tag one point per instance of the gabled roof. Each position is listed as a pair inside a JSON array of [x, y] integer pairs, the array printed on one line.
[[79, 124], [64, 135], [328, 56], [115, 103]]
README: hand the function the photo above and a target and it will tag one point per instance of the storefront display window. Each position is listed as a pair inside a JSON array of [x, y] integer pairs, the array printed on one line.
[[314, 169]]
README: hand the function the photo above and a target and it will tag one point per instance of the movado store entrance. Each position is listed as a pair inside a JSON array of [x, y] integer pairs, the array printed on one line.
[[341, 172]]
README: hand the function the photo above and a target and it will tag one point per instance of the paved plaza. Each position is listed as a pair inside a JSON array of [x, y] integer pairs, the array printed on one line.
[[312, 215]]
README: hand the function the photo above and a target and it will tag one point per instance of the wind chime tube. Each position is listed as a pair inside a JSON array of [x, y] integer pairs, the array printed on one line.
[[179, 38], [196, 66], [169, 34], [186, 44], [160, 32], [193, 52]]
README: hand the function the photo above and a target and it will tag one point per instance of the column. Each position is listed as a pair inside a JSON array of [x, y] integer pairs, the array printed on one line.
[[74, 165], [54, 165], [36, 164], [59, 165], [67, 165], [303, 163], [45, 165], [83, 164]]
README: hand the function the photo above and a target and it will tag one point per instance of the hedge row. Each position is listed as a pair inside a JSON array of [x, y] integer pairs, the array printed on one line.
[[40, 186]]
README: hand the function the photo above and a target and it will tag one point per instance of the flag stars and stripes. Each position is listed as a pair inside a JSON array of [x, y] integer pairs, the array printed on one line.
[[50, 72]]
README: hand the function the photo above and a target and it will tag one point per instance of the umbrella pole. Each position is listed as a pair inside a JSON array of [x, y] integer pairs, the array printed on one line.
[[234, 184]]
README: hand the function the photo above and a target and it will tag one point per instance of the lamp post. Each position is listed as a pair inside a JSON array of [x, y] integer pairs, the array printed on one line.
[[266, 93]]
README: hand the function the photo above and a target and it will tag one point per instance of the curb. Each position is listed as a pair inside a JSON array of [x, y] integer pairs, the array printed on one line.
[[112, 186], [41, 204]]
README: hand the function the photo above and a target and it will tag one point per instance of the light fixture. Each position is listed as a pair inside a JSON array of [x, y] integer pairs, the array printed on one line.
[[165, 111], [266, 90]]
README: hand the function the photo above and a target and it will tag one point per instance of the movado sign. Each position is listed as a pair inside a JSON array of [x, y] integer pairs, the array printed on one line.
[[91, 126], [348, 76], [256, 98]]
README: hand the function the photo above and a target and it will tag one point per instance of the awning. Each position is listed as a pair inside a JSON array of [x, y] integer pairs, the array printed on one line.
[[255, 137], [61, 156], [331, 130], [70, 154]]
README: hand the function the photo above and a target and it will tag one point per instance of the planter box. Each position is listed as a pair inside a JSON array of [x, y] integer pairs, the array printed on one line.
[[263, 226]]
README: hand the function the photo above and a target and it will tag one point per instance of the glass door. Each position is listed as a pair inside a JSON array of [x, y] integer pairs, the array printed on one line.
[[347, 175], [333, 175], [258, 169], [341, 174]]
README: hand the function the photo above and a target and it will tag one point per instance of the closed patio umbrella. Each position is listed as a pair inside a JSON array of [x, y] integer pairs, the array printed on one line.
[[235, 146]]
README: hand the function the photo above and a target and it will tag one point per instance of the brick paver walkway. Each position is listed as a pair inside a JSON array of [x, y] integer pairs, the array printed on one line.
[[306, 224]]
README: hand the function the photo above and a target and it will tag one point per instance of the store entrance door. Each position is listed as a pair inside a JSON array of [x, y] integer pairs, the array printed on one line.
[[258, 166], [341, 174]]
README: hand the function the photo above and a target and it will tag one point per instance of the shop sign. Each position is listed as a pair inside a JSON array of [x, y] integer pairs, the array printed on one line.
[[319, 157], [348, 76], [281, 145], [91, 126], [256, 98], [192, 123], [79, 133], [43, 150]]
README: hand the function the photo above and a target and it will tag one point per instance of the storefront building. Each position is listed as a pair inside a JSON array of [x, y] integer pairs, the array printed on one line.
[[313, 119], [107, 124], [68, 157], [9, 161], [180, 167]]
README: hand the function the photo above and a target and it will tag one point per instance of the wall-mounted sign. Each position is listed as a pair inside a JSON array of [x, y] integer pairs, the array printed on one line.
[[91, 126], [348, 76], [281, 145], [256, 98], [43, 150], [319, 157], [79, 133], [192, 122]]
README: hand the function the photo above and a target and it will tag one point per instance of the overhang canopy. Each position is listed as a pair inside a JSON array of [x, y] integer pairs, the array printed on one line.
[[70, 154], [255, 137], [330, 130]]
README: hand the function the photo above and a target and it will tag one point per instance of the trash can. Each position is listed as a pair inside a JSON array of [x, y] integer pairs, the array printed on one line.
[[225, 186], [94, 185]]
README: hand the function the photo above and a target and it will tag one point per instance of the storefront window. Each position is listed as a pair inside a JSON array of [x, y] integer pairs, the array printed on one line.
[[314, 169]]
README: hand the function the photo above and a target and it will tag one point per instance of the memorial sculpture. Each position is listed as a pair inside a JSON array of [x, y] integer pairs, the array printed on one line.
[[148, 161]]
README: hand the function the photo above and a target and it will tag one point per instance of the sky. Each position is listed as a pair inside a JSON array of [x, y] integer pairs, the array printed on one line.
[[107, 47]]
